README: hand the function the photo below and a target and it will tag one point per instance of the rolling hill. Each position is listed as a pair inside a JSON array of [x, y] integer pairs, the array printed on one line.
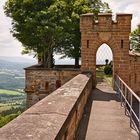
[[12, 72]]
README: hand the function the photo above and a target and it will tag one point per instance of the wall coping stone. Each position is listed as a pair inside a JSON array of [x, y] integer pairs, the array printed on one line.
[[45, 119], [56, 68], [123, 14], [131, 53], [107, 14]]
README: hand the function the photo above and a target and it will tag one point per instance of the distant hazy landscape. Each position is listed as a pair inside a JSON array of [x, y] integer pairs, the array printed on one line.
[[12, 83]]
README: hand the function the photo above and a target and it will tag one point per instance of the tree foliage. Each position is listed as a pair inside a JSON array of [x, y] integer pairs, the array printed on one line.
[[33, 24], [43, 26], [70, 38], [135, 39]]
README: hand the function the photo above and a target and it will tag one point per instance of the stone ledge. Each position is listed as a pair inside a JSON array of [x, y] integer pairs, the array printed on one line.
[[105, 14], [53, 116], [131, 53], [87, 14], [56, 68], [123, 14], [100, 14]]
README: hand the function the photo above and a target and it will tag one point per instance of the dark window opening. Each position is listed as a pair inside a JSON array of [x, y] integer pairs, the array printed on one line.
[[135, 77], [87, 43], [46, 85], [58, 84], [121, 43]]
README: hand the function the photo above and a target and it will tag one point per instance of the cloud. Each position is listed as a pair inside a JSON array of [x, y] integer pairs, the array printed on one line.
[[9, 46], [126, 6]]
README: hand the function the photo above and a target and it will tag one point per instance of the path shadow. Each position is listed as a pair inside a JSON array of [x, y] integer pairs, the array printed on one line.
[[99, 95], [96, 95]]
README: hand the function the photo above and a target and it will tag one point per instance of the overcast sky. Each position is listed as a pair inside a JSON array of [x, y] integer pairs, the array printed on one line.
[[126, 6], [11, 47]]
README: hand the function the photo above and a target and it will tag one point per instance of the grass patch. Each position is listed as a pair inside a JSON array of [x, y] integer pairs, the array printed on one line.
[[101, 76], [10, 92], [9, 111], [4, 108], [8, 118]]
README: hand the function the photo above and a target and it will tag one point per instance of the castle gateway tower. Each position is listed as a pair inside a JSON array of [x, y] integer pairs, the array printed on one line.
[[104, 30]]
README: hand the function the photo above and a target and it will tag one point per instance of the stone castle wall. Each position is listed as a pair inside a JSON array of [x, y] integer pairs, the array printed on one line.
[[134, 73], [41, 82]]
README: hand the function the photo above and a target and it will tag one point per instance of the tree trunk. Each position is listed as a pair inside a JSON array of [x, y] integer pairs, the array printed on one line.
[[48, 54], [40, 59], [45, 59], [50, 57], [76, 62]]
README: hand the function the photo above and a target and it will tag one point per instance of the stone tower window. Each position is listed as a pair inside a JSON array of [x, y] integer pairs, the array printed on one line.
[[135, 78], [121, 43], [87, 43], [46, 85]]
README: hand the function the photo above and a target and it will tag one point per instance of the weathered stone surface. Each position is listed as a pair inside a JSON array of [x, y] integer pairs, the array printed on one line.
[[54, 117], [33, 127], [134, 73]]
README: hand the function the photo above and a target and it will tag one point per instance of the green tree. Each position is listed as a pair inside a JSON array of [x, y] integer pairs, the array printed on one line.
[[34, 26], [68, 43], [42, 25], [135, 39]]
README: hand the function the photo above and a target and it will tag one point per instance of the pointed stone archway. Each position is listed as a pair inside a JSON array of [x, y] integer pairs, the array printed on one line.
[[104, 52], [104, 58]]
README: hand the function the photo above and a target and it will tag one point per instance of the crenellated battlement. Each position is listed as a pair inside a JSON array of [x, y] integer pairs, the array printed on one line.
[[105, 22]]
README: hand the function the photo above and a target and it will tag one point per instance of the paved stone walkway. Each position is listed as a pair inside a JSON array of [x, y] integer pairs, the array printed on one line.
[[104, 118]]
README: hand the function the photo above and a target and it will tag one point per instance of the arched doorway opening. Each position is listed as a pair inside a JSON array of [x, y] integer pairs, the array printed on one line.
[[104, 64]]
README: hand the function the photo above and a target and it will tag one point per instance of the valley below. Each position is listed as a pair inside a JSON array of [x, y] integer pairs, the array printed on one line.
[[12, 95]]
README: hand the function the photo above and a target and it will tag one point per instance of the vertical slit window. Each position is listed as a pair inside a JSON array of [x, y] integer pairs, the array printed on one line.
[[130, 79], [46, 85], [121, 43], [87, 43], [135, 77]]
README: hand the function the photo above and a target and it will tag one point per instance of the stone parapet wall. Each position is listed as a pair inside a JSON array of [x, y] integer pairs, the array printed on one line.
[[41, 82], [56, 117], [134, 73]]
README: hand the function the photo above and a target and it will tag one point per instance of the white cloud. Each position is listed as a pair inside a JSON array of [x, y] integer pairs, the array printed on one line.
[[9, 46], [126, 6]]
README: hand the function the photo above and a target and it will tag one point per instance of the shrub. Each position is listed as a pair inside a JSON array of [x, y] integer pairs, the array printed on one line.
[[108, 70]]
